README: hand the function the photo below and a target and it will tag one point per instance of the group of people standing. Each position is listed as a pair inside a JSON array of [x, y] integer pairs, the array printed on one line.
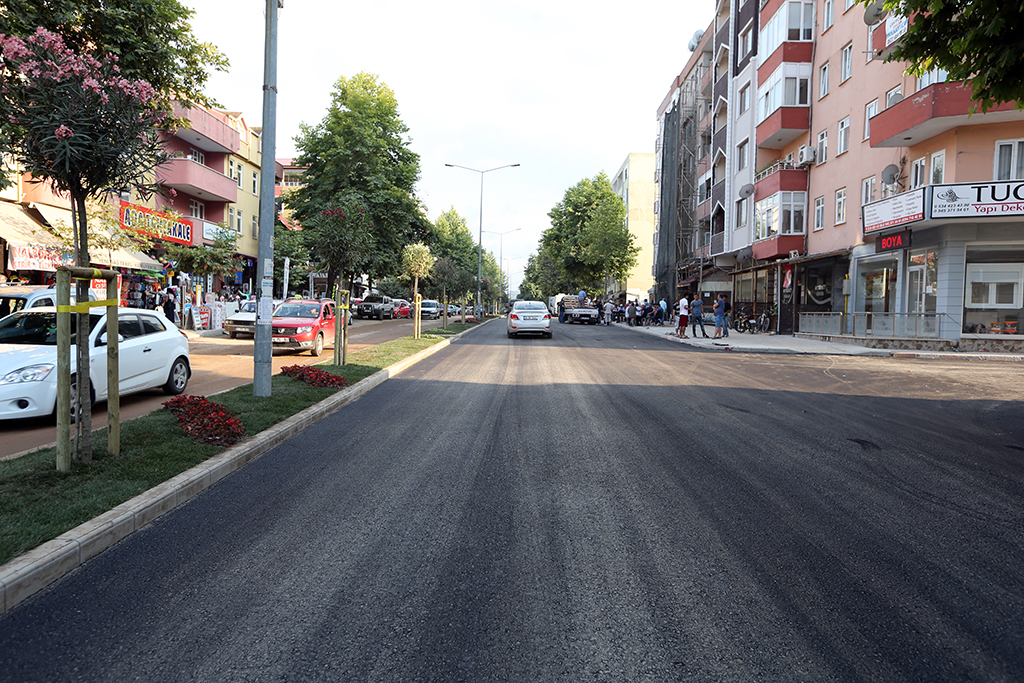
[[691, 311]]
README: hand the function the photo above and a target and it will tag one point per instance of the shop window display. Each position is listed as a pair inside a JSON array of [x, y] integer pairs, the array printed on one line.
[[994, 291]]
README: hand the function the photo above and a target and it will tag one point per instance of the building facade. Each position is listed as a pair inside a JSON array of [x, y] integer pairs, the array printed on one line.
[[634, 183]]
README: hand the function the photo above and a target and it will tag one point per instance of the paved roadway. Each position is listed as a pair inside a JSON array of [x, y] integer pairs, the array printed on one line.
[[603, 506], [218, 364]]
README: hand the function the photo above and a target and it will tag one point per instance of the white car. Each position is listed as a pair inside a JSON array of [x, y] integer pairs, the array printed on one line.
[[244, 320], [529, 316], [152, 353]]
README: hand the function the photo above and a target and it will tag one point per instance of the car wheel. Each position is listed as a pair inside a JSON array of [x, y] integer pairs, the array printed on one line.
[[380, 315], [232, 334], [510, 335], [177, 379], [318, 345], [73, 388]]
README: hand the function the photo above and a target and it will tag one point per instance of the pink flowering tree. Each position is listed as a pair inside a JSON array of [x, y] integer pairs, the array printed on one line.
[[71, 119]]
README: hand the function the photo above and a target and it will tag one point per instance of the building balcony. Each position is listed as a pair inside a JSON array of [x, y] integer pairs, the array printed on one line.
[[718, 194], [933, 110], [202, 182], [721, 88], [796, 53], [707, 79], [206, 131], [778, 246], [719, 141], [783, 126], [717, 243], [781, 177], [703, 212]]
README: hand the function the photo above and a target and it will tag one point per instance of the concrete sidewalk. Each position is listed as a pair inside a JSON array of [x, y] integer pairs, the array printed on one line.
[[781, 343]]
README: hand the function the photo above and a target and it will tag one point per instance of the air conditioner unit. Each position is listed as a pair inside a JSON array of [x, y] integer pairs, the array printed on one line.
[[806, 156]]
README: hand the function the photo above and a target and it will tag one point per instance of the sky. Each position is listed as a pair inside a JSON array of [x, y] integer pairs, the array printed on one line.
[[565, 89]]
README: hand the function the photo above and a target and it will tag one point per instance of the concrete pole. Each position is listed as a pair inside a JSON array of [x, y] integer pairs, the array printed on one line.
[[264, 352]]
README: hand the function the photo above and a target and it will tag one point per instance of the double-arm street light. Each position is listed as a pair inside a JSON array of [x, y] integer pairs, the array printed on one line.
[[501, 245], [480, 250]]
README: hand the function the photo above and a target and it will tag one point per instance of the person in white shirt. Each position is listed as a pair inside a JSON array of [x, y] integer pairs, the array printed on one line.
[[683, 318]]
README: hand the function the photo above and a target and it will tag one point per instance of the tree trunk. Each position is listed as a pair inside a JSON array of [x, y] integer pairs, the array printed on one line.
[[82, 405]]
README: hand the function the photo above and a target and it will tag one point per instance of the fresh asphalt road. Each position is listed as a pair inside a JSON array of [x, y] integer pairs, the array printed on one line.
[[602, 506]]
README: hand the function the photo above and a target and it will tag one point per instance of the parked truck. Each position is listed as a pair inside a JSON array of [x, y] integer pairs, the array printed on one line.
[[572, 311]]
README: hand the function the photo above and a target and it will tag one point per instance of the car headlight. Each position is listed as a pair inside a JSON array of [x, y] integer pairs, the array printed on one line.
[[33, 373], [304, 329]]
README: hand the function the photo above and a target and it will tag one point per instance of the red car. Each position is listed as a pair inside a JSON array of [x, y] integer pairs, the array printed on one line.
[[301, 324], [402, 309]]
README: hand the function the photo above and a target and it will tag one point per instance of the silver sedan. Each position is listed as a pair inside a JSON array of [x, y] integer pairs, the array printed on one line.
[[529, 317]]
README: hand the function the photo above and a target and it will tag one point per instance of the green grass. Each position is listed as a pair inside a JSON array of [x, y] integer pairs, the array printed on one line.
[[37, 503]]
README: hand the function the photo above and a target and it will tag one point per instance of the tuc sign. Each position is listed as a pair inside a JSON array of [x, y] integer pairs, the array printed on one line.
[[970, 200], [155, 224]]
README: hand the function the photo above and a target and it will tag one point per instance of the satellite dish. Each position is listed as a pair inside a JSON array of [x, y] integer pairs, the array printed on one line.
[[874, 13], [890, 174], [695, 40], [746, 191]]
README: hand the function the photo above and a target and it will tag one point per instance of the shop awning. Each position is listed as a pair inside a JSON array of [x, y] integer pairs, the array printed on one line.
[[29, 245], [60, 219]]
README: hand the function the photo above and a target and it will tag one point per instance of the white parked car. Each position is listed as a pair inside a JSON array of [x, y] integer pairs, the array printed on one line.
[[244, 320], [529, 316], [152, 353]]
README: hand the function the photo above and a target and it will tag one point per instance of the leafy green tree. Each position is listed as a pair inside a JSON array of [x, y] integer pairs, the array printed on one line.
[[218, 258], [452, 238], [588, 233], [394, 287], [339, 240], [152, 39], [975, 41], [290, 244], [445, 273], [417, 262], [359, 151]]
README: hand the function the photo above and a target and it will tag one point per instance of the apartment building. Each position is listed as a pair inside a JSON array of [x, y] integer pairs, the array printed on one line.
[[877, 207], [634, 183]]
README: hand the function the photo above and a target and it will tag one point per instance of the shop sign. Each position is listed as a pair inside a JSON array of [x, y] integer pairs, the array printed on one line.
[[900, 209], [155, 224], [972, 200], [35, 258], [895, 28], [899, 240]]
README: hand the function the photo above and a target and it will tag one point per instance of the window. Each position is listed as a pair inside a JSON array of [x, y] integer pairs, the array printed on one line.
[[869, 111], [196, 209], [782, 213], [840, 206], [823, 81], [994, 285], [829, 11], [238, 221], [231, 168], [255, 182], [847, 4], [843, 144], [893, 96], [741, 213], [822, 147], [746, 41], [238, 174], [939, 167], [1009, 160], [787, 86], [917, 173], [819, 213], [197, 156], [741, 155], [231, 217], [846, 65], [793, 22], [255, 227], [867, 190], [931, 77], [744, 98]]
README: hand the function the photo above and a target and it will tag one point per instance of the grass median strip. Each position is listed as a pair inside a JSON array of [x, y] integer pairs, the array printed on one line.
[[37, 503]]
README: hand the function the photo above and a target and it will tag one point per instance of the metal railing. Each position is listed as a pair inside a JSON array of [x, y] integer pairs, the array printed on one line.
[[781, 165], [878, 325]]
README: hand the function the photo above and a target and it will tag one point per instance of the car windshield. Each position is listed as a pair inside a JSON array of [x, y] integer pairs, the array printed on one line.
[[297, 310], [37, 327], [430, 304], [373, 300], [530, 306], [248, 307]]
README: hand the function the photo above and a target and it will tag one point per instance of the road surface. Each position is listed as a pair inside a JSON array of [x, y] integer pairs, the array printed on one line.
[[602, 506]]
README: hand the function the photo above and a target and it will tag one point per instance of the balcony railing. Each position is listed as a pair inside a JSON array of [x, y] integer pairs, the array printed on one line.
[[775, 168], [879, 325]]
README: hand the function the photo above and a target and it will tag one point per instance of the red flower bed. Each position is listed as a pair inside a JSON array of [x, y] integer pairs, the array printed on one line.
[[314, 377], [205, 421]]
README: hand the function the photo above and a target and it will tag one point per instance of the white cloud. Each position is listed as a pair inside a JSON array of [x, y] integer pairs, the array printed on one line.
[[562, 88]]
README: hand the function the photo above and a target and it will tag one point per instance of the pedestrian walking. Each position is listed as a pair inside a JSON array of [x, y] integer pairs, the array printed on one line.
[[728, 314], [719, 311], [631, 314], [609, 311], [684, 317], [168, 305], [697, 316]]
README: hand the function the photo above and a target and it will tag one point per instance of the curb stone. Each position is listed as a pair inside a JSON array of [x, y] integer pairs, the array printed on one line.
[[29, 573]]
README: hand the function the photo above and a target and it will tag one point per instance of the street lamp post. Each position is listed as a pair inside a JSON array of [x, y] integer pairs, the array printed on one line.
[[480, 250], [501, 246]]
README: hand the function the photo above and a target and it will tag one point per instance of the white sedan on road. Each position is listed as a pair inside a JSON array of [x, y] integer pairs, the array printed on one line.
[[529, 316], [152, 353]]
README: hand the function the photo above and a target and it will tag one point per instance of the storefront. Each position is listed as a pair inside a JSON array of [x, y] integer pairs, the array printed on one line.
[[946, 259]]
